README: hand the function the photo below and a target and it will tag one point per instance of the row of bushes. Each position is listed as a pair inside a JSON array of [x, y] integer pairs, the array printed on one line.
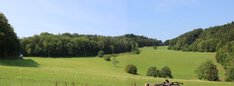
[[165, 72], [206, 71]]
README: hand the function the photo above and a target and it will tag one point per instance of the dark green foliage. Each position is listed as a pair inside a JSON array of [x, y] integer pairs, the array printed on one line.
[[135, 49], [225, 56], [107, 58], [207, 40], [143, 41], [132, 69], [166, 43], [165, 72], [153, 71], [183, 41], [230, 74], [100, 54], [66, 44], [9, 43], [208, 71], [114, 55], [155, 47]]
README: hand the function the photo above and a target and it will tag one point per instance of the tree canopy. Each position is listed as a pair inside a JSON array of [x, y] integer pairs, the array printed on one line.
[[207, 40], [9, 43], [208, 71], [67, 44]]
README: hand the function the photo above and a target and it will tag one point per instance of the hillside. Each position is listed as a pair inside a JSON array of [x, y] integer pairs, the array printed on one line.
[[207, 40], [95, 71], [219, 39]]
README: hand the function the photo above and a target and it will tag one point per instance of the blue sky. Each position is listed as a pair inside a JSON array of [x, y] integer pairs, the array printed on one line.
[[161, 19]]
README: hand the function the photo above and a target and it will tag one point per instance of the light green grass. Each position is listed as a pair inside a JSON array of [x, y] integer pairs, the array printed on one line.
[[95, 71]]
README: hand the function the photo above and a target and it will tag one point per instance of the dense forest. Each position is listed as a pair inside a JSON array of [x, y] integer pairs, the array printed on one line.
[[9, 43], [219, 39], [207, 40], [71, 45]]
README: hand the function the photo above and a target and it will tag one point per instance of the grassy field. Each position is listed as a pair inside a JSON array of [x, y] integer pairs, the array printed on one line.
[[94, 71]]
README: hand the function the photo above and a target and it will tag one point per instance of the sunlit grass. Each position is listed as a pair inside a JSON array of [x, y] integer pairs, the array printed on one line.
[[95, 71]]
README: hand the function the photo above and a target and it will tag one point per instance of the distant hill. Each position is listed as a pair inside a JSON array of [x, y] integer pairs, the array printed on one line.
[[208, 40], [217, 38]]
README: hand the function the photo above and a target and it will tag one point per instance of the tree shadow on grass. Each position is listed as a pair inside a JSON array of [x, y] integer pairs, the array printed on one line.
[[19, 63]]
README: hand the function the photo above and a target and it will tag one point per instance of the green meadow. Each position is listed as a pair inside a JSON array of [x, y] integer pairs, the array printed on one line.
[[95, 71]]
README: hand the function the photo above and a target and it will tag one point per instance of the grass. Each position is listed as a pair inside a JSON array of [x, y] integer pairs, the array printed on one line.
[[34, 71]]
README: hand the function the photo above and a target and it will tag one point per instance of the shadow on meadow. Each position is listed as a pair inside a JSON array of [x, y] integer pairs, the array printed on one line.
[[19, 63]]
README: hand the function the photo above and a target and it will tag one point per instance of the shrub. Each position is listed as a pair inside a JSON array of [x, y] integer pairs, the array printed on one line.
[[115, 61], [137, 51], [153, 71], [108, 58], [132, 69], [207, 71], [100, 54], [114, 55], [230, 74], [165, 72], [155, 47]]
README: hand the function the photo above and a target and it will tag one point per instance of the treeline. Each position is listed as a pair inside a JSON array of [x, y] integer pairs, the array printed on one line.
[[207, 40], [225, 56], [9, 43], [72, 45], [219, 39], [143, 41]]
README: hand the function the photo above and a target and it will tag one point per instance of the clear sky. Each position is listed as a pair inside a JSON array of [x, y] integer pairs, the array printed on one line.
[[161, 19]]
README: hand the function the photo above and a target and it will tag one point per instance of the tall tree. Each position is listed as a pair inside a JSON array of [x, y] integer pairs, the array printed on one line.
[[9, 43]]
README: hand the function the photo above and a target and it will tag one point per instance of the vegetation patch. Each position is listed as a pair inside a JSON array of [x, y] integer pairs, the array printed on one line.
[[132, 69]]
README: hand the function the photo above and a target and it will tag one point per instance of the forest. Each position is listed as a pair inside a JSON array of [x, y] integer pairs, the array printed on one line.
[[219, 39], [73, 45]]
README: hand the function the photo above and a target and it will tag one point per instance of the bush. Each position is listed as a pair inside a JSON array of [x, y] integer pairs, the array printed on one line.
[[155, 47], [114, 55], [137, 51], [108, 58], [100, 54], [132, 69], [153, 71], [207, 71], [230, 74], [165, 72]]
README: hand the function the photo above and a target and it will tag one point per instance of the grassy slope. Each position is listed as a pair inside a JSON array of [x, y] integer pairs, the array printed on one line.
[[97, 72]]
